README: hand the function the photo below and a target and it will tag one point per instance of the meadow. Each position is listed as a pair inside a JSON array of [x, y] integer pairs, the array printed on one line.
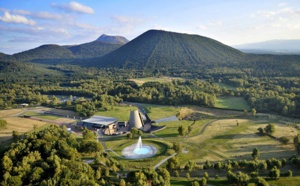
[[237, 103], [15, 123], [163, 79]]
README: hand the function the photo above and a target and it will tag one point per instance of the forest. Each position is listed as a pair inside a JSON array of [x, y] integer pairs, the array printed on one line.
[[107, 87]]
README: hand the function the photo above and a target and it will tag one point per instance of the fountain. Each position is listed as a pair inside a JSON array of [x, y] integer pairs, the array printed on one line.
[[138, 150]]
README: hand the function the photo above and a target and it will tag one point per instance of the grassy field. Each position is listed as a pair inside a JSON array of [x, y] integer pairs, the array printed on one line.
[[232, 103], [216, 138], [40, 115], [228, 87], [158, 111], [15, 123], [122, 113], [164, 79]]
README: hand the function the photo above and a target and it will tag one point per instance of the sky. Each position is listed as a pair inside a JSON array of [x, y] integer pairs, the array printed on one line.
[[26, 24]]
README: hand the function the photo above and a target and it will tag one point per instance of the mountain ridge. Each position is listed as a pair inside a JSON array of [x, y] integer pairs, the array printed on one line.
[[54, 54], [271, 47], [158, 48], [112, 39]]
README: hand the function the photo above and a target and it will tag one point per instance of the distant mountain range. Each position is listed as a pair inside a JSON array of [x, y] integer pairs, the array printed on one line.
[[153, 49], [53, 54], [271, 47], [157, 48]]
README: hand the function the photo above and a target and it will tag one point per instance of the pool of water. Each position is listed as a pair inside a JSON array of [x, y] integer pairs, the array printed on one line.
[[143, 150]]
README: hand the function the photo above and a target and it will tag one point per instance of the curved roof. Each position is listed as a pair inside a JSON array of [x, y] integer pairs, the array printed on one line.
[[100, 120]]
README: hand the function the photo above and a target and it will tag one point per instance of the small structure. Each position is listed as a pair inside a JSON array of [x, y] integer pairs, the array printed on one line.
[[135, 120], [108, 125], [24, 105], [139, 150]]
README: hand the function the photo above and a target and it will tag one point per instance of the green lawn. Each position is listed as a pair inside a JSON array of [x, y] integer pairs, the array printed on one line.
[[285, 181], [232, 103], [40, 115], [164, 79], [228, 87], [158, 111], [122, 113]]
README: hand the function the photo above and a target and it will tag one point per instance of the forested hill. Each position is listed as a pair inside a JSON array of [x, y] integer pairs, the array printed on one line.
[[2, 54], [93, 49], [44, 53], [157, 48], [56, 54]]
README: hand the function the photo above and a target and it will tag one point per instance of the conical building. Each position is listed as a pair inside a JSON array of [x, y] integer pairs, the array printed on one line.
[[135, 120]]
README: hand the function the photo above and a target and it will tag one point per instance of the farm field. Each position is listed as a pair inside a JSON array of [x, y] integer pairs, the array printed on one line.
[[164, 79], [15, 121], [232, 103]]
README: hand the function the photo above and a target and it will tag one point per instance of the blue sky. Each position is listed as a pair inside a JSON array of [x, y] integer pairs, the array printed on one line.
[[26, 24]]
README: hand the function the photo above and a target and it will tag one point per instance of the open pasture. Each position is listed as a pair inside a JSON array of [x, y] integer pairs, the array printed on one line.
[[237, 103], [224, 135], [14, 123], [223, 140], [122, 113], [164, 79]]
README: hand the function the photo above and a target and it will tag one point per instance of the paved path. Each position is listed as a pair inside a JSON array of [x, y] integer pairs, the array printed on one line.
[[163, 161], [206, 125], [114, 153]]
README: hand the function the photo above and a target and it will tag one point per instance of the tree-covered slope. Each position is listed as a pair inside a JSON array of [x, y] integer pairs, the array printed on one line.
[[42, 54], [92, 49], [20, 71], [56, 54], [156, 48], [2, 54]]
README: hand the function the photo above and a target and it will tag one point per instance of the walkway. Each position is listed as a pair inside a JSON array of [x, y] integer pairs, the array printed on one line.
[[163, 161]]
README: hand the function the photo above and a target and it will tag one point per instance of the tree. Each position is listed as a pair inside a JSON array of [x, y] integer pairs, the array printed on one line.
[[3, 124], [260, 130], [261, 182], [203, 181], [284, 140], [255, 153], [270, 129], [195, 183], [177, 147], [274, 173], [187, 175], [253, 112], [122, 182], [15, 134], [206, 176], [182, 130], [88, 135]]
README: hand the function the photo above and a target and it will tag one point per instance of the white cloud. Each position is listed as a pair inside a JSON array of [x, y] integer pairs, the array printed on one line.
[[74, 7], [46, 15], [126, 19], [202, 27], [284, 12], [210, 25], [282, 4], [10, 18]]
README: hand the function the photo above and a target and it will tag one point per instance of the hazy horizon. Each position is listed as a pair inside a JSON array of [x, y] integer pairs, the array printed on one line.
[[29, 24]]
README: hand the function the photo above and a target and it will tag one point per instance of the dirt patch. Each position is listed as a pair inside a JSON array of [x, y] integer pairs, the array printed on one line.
[[21, 125], [65, 120], [6, 113]]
